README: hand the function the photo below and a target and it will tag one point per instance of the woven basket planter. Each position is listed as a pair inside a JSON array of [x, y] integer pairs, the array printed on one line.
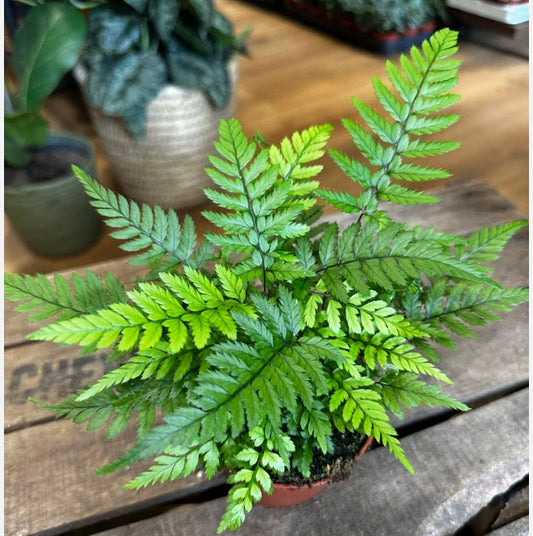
[[166, 167]]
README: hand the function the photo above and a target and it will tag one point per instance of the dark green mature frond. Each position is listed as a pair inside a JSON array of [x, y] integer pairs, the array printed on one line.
[[405, 390], [366, 256], [458, 306], [165, 242], [486, 244], [44, 297]]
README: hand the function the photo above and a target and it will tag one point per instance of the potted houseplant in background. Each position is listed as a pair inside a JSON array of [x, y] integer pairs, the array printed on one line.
[[42, 198], [269, 344], [388, 26], [157, 78]]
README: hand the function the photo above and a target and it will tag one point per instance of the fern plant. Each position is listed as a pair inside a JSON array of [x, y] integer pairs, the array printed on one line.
[[262, 341]]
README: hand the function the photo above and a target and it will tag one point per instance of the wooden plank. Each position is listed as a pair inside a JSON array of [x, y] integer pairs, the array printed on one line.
[[520, 527], [380, 497], [50, 485], [465, 206], [48, 373], [516, 506]]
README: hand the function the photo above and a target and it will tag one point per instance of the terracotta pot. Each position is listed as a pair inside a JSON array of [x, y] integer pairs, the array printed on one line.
[[167, 166], [291, 494]]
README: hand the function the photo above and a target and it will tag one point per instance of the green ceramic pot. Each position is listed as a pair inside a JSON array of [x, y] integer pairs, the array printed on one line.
[[54, 217]]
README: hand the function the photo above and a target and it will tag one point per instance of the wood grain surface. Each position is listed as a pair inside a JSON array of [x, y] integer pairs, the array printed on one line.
[[296, 77], [380, 497], [47, 459]]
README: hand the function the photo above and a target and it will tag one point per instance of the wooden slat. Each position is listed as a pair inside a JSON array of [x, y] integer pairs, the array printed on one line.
[[465, 207], [51, 486], [48, 373], [515, 507], [380, 497]]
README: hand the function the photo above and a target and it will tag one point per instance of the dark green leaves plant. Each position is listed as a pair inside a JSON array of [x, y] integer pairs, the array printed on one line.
[[268, 337], [135, 48]]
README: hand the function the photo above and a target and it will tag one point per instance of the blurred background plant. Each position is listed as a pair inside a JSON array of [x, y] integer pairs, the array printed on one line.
[[45, 48]]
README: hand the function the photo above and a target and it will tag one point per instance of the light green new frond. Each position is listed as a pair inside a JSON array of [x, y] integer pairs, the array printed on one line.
[[396, 351], [233, 286], [304, 147], [166, 244], [364, 315], [248, 484], [177, 463]]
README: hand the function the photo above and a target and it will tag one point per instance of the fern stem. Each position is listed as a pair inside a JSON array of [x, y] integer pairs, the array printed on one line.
[[253, 216]]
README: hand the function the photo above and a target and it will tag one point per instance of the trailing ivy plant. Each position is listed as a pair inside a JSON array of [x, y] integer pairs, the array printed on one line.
[[263, 340]]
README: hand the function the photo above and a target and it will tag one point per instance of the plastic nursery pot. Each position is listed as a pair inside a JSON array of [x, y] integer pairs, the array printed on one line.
[[291, 494], [53, 217]]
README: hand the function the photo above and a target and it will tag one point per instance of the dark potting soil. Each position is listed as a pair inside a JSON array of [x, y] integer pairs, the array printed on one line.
[[44, 165], [336, 465]]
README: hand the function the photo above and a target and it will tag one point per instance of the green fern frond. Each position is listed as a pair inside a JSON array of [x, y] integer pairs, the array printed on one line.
[[167, 244], [422, 84], [458, 306], [363, 411], [486, 244], [368, 256], [95, 412], [405, 389], [155, 362], [383, 351], [396, 193]]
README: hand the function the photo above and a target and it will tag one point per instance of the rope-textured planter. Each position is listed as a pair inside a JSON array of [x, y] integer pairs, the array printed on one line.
[[166, 167]]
